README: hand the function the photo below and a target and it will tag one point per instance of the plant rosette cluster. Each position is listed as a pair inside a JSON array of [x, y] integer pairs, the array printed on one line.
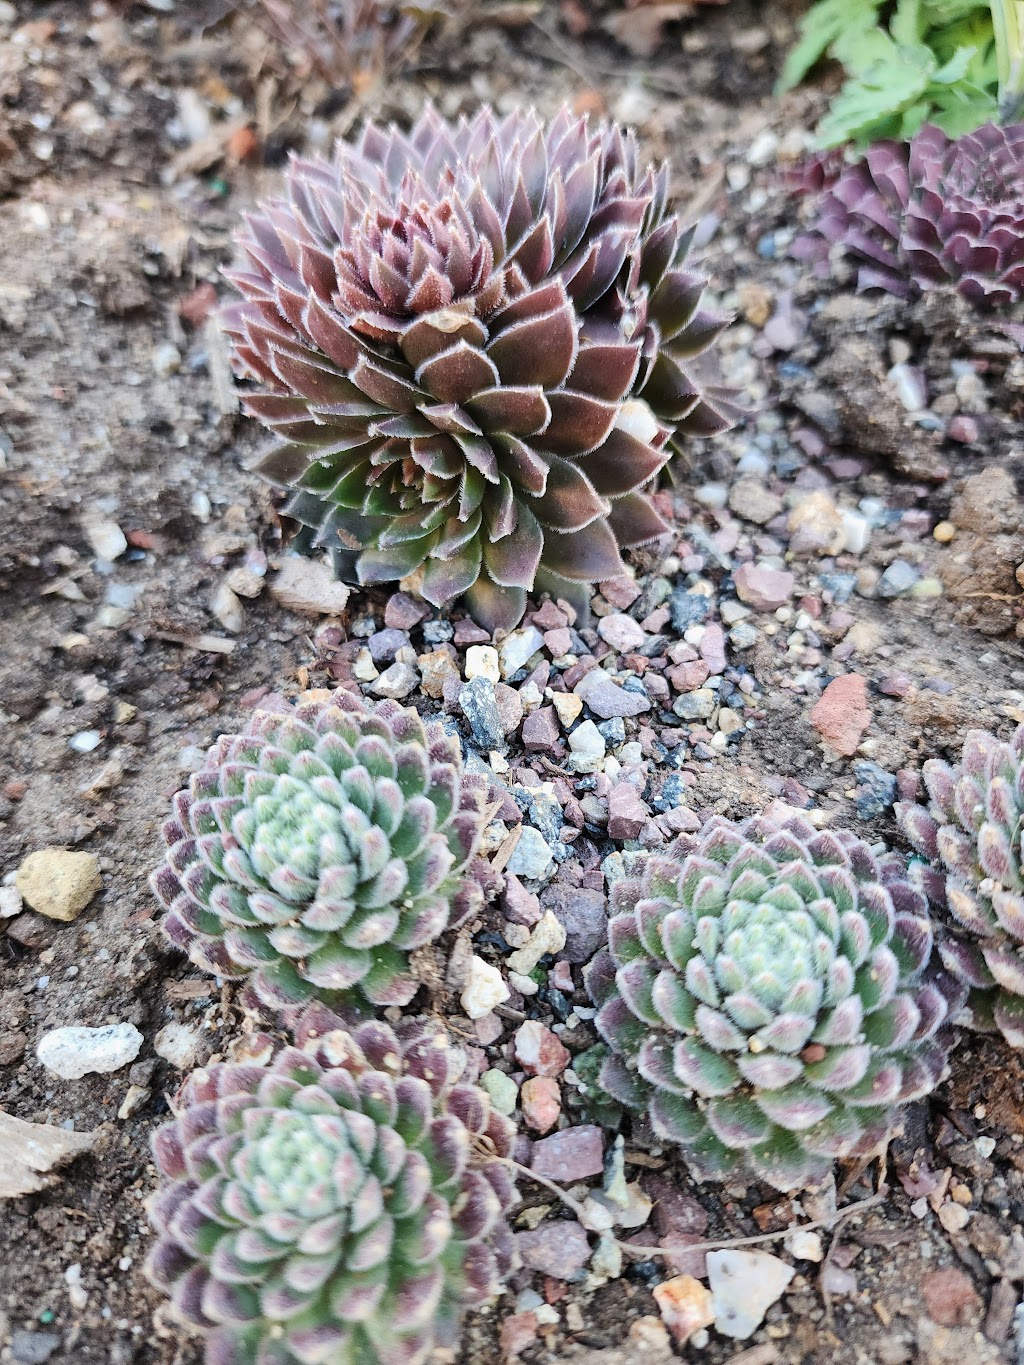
[[767, 1000], [931, 211], [315, 851], [475, 345], [971, 835], [345, 1202]]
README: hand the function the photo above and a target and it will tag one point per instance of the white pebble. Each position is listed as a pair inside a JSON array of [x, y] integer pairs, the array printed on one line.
[[482, 662], [227, 608], [84, 741], [517, 649], [744, 1285], [179, 1045], [484, 990], [106, 539], [166, 360], [856, 531], [73, 1052], [548, 936], [805, 1246]]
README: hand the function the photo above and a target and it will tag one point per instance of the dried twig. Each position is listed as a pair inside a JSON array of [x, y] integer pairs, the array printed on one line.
[[830, 1221]]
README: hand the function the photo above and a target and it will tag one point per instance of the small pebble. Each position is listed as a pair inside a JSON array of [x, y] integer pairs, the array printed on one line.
[[72, 1052], [744, 1285], [482, 662], [58, 882], [547, 936], [485, 988]]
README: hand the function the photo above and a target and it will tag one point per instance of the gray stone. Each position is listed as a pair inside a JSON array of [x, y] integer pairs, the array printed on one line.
[[876, 789], [607, 699], [695, 705], [531, 857], [688, 609], [614, 731], [33, 1348], [573, 1154], [583, 914], [396, 682], [560, 1249], [385, 644], [480, 707], [898, 578]]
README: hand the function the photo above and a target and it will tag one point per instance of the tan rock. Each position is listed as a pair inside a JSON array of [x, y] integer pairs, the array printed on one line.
[[308, 586], [686, 1306], [29, 1153], [58, 883]]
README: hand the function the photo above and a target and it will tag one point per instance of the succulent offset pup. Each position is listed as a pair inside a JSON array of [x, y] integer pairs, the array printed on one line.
[[930, 211], [971, 833], [767, 1000], [473, 343], [341, 1204], [317, 849]]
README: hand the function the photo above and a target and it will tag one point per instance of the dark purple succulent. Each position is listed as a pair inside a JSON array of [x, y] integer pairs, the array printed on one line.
[[474, 343], [930, 211]]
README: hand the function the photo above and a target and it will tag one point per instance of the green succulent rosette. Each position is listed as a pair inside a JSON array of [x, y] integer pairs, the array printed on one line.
[[767, 1000]]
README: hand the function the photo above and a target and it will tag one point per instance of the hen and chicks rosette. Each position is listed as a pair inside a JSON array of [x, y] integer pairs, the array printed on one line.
[[473, 343]]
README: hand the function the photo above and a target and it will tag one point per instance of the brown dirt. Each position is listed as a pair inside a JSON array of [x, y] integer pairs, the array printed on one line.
[[108, 224]]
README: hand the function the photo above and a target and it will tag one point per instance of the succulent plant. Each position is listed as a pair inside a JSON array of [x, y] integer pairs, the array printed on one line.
[[971, 835], [931, 211], [320, 847], [339, 1204], [767, 999], [474, 343], [350, 41]]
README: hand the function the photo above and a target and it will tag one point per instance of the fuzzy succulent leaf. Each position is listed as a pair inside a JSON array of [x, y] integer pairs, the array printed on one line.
[[339, 1203], [767, 997], [970, 836], [474, 343], [349, 41], [317, 849], [930, 211]]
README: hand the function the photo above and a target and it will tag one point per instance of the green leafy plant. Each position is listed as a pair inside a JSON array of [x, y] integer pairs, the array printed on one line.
[[767, 999], [971, 835], [341, 1203], [319, 848], [920, 61], [475, 343]]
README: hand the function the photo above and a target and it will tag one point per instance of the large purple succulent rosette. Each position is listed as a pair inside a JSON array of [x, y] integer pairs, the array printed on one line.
[[474, 343], [930, 211], [318, 849], [341, 1203], [767, 999], [972, 835]]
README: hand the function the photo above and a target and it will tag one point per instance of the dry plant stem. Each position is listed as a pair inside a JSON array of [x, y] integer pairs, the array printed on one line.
[[562, 54], [831, 1221]]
